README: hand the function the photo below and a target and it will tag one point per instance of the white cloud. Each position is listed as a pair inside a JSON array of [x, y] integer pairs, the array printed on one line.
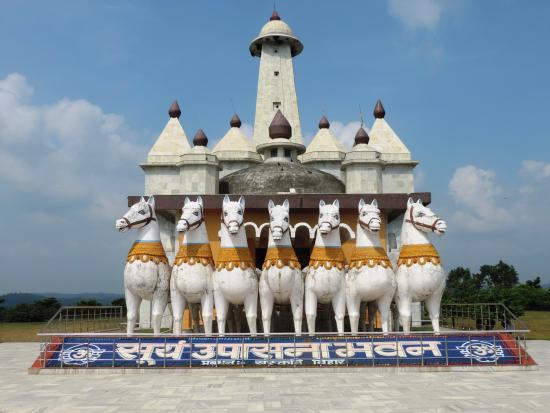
[[345, 133], [476, 191], [70, 151], [535, 169], [248, 130], [417, 14]]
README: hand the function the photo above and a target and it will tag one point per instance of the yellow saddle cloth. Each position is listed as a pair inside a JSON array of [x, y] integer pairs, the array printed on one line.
[[418, 254], [194, 253], [327, 257], [147, 251], [370, 256], [230, 258], [281, 257]]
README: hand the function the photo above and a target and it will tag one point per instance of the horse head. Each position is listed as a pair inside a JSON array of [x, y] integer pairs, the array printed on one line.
[[233, 214], [191, 215], [329, 217], [278, 219], [369, 216], [138, 216], [423, 219]]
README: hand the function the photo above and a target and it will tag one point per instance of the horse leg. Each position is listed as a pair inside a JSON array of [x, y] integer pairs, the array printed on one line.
[[433, 302], [221, 305], [178, 305], [353, 302], [384, 304], [159, 302], [207, 305], [372, 308], [133, 301], [339, 307], [404, 305], [251, 310], [311, 311], [266, 303], [296, 303]]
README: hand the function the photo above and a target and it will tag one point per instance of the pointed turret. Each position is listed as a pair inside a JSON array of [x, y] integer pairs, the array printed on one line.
[[279, 127], [172, 141], [398, 164], [379, 111], [361, 137], [234, 150], [363, 166], [200, 138], [384, 139], [325, 152], [174, 111]]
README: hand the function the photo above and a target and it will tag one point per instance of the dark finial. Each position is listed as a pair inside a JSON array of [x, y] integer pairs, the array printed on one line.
[[200, 138], [361, 137], [174, 110], [379, 111], [235, 121], [274, 15], [280, 128], [324, 123]]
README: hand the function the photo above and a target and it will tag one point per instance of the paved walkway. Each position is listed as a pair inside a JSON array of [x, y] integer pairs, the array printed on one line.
[[283, 390]]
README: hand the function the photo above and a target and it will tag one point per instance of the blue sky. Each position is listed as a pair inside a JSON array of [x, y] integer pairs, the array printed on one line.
[[85, 86]]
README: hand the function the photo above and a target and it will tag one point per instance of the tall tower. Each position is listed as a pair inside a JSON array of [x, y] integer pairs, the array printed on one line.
[[276, 45]]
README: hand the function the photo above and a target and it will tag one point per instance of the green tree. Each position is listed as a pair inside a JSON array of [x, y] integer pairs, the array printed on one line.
[[41, 310], [500, 275], [2, 309], [88, 303]]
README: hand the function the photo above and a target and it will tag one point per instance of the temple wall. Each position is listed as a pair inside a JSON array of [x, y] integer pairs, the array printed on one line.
[[162, 180], [397, 179]]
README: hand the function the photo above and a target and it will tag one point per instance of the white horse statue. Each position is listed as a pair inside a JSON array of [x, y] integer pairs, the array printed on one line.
[[191, 280], [235, 279], [147, 273], [420, 276], [281, 280], [370, 276], [325, 281]]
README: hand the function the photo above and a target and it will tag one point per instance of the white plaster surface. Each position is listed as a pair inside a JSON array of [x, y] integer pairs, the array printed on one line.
[[384, 139], [273, 390], [170, 145], [272, 88]]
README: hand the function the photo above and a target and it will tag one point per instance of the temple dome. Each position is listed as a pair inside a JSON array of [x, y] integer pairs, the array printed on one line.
[[276, 30], [272, 178]]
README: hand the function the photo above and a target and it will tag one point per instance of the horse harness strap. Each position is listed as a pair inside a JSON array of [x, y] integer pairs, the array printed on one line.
[[147, 220], [421, 224]]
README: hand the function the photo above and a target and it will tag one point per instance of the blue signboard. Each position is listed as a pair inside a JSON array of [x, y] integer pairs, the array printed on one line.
[[197, 351]]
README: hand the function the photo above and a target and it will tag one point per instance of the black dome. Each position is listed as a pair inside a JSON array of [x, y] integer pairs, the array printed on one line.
[[273, 177]]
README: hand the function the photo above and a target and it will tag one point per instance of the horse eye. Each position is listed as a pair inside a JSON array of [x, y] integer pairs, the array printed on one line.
[[142, 212], [320, 215], [196, 213], [225, 214], [364, 213], [336, 216], [286, 219], [240, 212], [421, 214]]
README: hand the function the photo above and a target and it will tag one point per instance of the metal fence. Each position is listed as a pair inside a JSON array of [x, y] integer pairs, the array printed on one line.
[[86, 319]]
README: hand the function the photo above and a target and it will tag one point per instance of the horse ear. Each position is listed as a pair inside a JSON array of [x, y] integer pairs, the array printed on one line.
[[270, 205], [410, 201], [186, 201], [419, 202], [151, 201], [199, 201], [336, 203], [321, 203], [241, 201], [142, 199], [285, 204], [225, 200], [361, 204], [374, 203]]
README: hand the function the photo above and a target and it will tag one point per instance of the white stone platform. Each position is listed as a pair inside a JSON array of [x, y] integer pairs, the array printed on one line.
[[291, 390]]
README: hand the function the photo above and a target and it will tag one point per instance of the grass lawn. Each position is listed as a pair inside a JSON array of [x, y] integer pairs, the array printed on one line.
[[19, 331], [539, 324]]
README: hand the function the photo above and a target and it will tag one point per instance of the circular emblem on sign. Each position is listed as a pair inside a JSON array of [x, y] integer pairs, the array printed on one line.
[[81, 354], [481, 351]]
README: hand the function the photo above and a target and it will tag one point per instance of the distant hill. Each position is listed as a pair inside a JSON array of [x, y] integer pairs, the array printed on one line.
[[12, 299]]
